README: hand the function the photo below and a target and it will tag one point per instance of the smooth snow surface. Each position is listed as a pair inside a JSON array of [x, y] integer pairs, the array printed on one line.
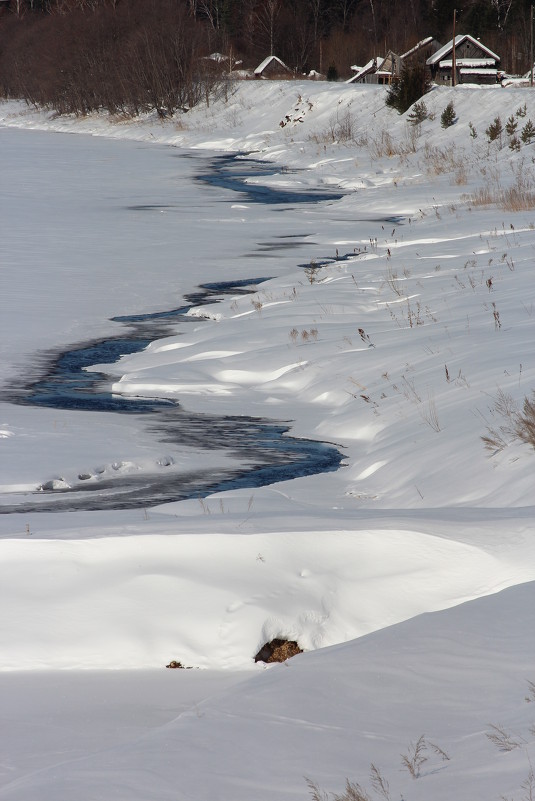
[[398, 324]]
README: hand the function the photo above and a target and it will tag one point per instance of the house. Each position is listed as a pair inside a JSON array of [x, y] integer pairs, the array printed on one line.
[[420, 53], [379, 70], [474, 63], [273, 68]]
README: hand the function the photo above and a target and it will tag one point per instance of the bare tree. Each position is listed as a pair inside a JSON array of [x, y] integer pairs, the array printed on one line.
[[267, 16]]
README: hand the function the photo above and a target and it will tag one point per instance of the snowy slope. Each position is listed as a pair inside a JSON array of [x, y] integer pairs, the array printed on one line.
[[408, 337], [449, 677]]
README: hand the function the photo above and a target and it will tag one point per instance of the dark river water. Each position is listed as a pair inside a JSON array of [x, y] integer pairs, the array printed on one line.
[[264, 449]]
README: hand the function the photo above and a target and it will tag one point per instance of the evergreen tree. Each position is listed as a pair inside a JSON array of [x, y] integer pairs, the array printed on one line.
[[408, 88]]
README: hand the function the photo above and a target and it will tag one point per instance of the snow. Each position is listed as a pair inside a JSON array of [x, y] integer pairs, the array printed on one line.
[[459, 39], [407, 575], [268, 60], [370, 66], [417, 46], [469, 62], [471, 71]]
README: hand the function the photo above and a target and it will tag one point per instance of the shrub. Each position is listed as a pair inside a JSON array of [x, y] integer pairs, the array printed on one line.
[[448, 116], [332, 73], [473, 132], [510, 424], [411, 85], [525, 422]]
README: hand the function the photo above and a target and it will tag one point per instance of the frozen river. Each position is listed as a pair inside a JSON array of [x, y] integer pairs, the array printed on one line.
[[92, 230]]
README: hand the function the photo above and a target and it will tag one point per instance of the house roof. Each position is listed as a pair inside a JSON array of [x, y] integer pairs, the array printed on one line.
[[420, 44], [448, 48], [261, 67], [373, 65]]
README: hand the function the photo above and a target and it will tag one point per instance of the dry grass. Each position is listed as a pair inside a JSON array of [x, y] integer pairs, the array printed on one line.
[[511, 424], [524, 427], [429, 414], [519, 196], [512, 199], [353, 791], [415, 757], [384, 145], [340, 128], [502, 739], [440, 160], [518, 199]]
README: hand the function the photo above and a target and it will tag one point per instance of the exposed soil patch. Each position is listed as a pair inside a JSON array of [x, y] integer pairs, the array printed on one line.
[[278, 651]]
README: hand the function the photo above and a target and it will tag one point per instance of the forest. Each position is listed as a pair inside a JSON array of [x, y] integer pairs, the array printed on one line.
[[129, 56]]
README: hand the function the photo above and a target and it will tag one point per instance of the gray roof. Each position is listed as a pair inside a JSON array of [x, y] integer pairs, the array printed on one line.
[[448, 48], [417, 47]]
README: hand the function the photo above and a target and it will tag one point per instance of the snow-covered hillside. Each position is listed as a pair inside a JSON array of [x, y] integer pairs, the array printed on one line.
[[400, 327]]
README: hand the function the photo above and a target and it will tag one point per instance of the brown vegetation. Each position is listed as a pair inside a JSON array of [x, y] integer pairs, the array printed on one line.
[[278, 651], [128, 56]]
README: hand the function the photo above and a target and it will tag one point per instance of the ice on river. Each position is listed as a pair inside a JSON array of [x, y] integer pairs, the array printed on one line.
[[397, 323]]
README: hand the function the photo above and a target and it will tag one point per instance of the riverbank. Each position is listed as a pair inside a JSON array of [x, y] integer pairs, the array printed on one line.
[[398, 326]]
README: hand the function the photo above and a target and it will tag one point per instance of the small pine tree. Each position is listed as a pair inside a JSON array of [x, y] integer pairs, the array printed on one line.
[[411, 85], [528, 133], [419, 113], [510, 126], [522, 111], [473, 132], [448, 117], [514, 143], [495, 130]]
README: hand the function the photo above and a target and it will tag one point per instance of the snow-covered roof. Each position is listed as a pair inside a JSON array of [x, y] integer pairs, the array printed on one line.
[[373, 65], [261, 67], [217, 57], [420, 44], [472, 71], [448, 48], [509, 81], [470, 63]]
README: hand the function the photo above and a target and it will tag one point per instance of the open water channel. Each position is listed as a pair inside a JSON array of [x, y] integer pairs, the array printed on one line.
[[80, 215]]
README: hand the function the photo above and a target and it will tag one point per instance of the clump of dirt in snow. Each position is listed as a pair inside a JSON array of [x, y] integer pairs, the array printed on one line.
[[278, 651]]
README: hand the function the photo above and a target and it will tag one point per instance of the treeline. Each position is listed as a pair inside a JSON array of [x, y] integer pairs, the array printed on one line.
[[129, 56], [125, 57]]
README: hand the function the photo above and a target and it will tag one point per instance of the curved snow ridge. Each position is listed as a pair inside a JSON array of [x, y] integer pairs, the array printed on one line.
[[167, 388], [255, 377], [209, 600], [212, 354]]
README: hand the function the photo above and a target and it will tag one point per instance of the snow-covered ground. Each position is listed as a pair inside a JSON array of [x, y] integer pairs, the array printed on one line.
[[407, 575]]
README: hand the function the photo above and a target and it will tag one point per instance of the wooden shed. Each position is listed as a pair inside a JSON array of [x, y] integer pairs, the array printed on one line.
[[273, 68]]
